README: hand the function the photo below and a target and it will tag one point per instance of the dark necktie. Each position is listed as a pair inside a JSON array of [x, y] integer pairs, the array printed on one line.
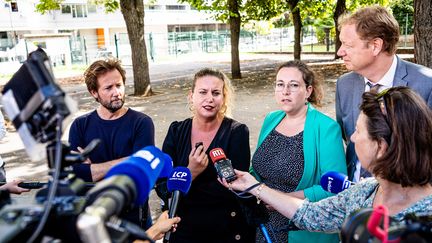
[[373, 87]]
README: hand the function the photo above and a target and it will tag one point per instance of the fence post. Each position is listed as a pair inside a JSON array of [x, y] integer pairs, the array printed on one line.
[[85, 50], [151, 46], [116, 45]]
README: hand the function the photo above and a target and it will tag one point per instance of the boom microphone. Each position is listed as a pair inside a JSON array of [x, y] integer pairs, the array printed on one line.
[[222, 164], [335, 182], [128, 182], [178, 183]]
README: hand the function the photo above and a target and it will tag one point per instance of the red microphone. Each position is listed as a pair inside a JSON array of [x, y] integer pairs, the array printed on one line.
[[222, 164]]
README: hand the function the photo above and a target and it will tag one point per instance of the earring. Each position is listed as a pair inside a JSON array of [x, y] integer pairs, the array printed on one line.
[[306, 101]]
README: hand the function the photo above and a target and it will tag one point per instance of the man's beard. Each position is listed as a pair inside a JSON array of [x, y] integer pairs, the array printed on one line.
[[113, 106]]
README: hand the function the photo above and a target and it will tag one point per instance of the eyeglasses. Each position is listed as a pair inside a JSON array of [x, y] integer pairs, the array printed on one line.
[[382, 103], [292, 86]]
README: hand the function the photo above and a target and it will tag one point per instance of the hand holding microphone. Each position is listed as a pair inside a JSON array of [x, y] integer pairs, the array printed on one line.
[[198, 160]]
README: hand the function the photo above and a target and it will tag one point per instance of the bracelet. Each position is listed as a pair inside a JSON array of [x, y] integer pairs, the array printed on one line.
[[258, 193]]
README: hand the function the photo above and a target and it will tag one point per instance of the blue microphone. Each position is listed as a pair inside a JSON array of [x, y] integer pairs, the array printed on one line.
[[126, 183], [130, 181], [335, 182], [179, 184], [144, 168]]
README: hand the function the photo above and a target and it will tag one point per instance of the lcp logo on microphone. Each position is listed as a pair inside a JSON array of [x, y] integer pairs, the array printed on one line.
[[179, 176]]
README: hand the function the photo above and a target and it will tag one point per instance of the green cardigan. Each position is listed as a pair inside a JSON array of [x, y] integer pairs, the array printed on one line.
[[323, 151]]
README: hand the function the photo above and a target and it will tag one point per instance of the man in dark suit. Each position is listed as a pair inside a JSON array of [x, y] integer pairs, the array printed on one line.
[[369, 40]]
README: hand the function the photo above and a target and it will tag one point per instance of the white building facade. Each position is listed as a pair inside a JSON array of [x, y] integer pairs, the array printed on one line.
[[79, 27]]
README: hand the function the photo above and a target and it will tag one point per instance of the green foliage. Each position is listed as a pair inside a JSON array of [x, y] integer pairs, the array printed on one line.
[[282, 21], [353, 5], [248, 9], [403, 11], [46, 5], [259, 27], [109, 5]]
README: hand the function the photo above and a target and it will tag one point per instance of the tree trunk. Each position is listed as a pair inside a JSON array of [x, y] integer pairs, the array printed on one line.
[[339, 10], [235, 21], [423, 32], [133, 14], [296, 18], [297, 32]]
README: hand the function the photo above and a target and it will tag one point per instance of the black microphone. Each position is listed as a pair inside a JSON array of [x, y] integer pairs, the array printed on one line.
[[126, 183], [178, 183], [223, 165]]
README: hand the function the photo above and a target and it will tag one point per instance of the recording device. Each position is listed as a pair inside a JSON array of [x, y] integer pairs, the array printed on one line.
[[38, 109], [222, 164], [375, 225], [179, 184], [335, 182], [34, 103], [127, 183]]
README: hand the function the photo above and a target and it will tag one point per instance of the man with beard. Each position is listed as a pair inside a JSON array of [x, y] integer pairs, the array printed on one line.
[[122, 130]]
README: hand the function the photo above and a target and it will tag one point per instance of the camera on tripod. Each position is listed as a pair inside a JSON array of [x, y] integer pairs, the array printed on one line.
[[39, 110]]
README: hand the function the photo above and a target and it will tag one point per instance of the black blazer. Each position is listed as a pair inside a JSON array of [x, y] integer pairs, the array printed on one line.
[[210, 212]]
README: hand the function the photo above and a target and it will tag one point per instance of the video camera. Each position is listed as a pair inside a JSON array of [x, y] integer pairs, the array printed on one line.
[[374, 225], [63, 211]]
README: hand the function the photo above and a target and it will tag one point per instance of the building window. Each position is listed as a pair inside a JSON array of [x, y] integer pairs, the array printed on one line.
[[175, 7], [91, 8], [77, 10], [14, 6], [153, 7], [66, 9]]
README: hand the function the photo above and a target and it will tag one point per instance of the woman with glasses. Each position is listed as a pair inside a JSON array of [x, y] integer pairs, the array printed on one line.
[[393, 140], [296, 146]]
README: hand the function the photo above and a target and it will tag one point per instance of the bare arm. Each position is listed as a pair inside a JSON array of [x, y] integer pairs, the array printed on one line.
[[99, 170], [13, 187], [162, 225], [284, 203]]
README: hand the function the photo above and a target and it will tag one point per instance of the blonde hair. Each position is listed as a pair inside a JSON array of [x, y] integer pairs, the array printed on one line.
[[228, 91]]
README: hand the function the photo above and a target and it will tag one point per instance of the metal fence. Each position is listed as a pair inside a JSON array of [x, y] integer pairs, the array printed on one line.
[[84, 50]]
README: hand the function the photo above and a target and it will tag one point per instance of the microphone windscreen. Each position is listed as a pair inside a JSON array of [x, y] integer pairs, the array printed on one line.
[[217, 154], [143, 167], [168, 166], [334, 182], [180, 180]]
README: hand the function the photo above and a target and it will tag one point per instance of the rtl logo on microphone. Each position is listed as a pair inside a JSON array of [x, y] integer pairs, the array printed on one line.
[[217, 154]]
